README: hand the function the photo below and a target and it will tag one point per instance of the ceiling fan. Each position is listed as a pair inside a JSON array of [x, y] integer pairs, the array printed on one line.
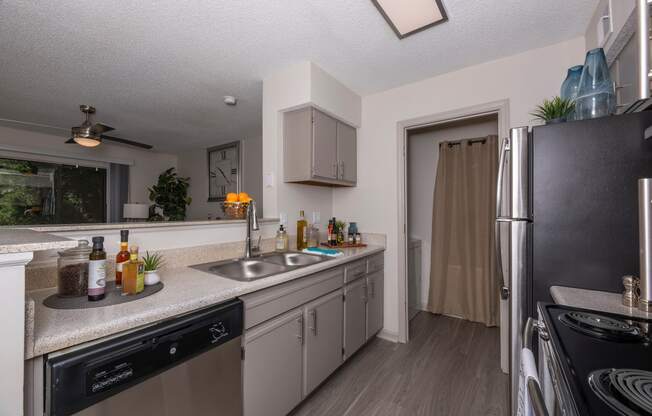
[[91, 135]]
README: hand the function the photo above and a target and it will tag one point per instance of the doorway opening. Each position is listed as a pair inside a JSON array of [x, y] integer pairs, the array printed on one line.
[[418, 164]]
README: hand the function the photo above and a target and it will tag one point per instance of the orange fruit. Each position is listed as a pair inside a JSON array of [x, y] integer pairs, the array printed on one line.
[[243, 197], [231, 197]]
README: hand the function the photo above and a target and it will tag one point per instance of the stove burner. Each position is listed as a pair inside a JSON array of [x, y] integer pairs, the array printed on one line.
[[627, 391], [601, 326]]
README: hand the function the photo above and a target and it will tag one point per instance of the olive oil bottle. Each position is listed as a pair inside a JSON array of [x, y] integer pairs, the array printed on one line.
[[302, 225]]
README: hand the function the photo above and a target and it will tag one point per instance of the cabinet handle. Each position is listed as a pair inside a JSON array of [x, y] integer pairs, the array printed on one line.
[[341, 170], [335, 171], [373, 289], [364, 294], [300, 334], [313, 317]]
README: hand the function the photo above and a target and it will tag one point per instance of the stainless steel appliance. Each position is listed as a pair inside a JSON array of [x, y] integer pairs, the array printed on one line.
[[513, 225], [568, 212], [593, 363], [189, 365]]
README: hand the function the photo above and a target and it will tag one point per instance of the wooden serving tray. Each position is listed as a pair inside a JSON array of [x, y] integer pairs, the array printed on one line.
[[344, 245]]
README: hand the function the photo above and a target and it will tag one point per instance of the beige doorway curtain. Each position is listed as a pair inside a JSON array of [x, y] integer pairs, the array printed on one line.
[[463, 273]]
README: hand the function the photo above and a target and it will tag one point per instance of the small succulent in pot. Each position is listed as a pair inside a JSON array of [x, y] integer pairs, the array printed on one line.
[[152, 263], [553, 111]]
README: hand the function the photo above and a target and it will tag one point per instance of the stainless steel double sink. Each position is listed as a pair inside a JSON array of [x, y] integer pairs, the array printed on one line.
[[265, 265]]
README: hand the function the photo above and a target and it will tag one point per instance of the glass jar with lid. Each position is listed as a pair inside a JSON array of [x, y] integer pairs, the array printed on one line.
[[72, 271]]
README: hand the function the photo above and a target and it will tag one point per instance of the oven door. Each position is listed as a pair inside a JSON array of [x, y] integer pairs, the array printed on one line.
[[556, 396]]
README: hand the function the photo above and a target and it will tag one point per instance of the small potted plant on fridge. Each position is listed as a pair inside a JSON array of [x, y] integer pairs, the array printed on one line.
[[554, 111], [152, 262]]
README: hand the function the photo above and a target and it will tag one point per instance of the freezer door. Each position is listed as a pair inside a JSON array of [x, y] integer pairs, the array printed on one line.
[[513, 196]]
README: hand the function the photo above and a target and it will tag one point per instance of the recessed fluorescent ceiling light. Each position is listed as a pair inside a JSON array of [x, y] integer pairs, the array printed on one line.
[[410, 16]]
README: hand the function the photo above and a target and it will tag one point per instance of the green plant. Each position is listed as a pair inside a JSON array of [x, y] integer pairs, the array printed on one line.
[[557, 108], [152, 261], [170, 194]]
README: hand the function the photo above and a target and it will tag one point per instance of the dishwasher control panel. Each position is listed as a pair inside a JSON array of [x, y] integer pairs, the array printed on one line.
[[87, 376]]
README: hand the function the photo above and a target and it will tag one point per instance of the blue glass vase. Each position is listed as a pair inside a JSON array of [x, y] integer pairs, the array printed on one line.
[[571, 85], [596, 96]]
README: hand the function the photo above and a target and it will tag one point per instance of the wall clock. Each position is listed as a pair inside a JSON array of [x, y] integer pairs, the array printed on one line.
[[223, 171]]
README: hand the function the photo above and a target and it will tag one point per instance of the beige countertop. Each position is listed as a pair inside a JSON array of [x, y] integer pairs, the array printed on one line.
[[596, 300], [185, 290], [24, 240]]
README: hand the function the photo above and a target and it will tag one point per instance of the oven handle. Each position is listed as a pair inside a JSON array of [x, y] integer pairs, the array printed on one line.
[[536, 398], [532, 325]]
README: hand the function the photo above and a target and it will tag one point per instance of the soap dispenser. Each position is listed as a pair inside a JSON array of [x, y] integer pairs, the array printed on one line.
[[282, 240]]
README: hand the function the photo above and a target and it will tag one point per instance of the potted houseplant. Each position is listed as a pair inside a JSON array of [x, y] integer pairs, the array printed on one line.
[[554, 111], [170, 197], [152, 263]]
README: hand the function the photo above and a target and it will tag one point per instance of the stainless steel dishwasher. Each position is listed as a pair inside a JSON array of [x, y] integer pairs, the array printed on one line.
[[185, 366]]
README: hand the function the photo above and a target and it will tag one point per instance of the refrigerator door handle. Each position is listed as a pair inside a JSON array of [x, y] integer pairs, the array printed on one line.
[[504, 148], [504, 290]]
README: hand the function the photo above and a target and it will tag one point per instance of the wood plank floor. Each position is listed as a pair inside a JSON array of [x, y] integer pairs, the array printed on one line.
[[450, 367]]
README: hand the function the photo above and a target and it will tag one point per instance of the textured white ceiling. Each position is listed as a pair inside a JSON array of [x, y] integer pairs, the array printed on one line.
[[157, 70]]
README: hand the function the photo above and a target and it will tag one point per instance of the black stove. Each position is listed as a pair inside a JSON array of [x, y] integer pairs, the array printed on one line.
[[604, 359]]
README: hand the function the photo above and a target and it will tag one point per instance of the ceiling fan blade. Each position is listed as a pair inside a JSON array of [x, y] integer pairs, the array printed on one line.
[[128, 142], [70, 140], [100, 128]]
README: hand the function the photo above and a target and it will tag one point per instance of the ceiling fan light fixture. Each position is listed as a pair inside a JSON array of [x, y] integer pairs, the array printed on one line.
[[407, 17], [86, 141]]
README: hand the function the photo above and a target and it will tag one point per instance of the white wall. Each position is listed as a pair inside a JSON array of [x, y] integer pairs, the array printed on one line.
[[422, 160], [524, 79], [194, 164], [145, 165], [299, 85]]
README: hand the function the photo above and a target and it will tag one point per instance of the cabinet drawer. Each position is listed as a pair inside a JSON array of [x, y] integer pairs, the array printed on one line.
[[354, 271], [376, 263], [268, 303]]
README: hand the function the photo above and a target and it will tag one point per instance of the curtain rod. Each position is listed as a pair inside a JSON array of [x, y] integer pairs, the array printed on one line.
[[459, 142]]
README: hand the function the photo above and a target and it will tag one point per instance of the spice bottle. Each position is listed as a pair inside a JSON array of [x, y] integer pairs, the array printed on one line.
[[97, 270], [122, 257]]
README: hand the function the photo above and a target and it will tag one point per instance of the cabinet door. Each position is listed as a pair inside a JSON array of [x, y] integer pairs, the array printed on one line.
[[323, 347], [375, 286], [355, 301], [324, 145], [273, 366], [346, 153]]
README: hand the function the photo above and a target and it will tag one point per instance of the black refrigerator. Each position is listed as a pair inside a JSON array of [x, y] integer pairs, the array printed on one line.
[[567, 212]]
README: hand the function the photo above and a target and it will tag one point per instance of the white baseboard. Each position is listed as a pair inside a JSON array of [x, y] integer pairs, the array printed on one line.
[[388, 336]]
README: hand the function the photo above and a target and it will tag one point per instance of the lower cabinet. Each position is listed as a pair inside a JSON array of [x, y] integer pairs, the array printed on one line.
[[375, 286], [322, 352], [355, 304], [297, 334], [272, 366]]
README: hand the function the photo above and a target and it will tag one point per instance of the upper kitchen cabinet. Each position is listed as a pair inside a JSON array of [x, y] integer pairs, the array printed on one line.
[[318, 149]]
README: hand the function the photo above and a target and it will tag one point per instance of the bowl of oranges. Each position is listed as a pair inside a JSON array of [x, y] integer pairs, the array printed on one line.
[[235, 205]]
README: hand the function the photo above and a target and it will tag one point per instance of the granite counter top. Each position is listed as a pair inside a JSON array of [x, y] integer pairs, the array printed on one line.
[[131, 225], [596, 300], [185, 290], [21, 241]]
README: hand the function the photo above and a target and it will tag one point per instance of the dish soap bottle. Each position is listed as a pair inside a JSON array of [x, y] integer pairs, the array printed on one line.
[[97, 270], [302, 224], [282, 241]]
